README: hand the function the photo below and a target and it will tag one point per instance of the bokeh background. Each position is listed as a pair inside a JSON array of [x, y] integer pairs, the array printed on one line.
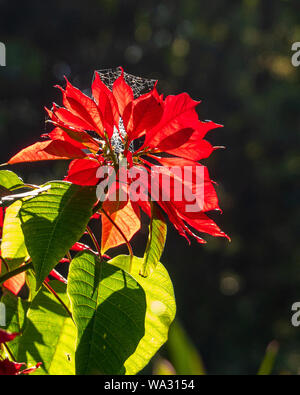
[[233, 298]]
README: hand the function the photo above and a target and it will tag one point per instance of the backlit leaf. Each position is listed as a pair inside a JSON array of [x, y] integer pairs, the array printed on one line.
[[50, 334], [156, 242], [53, 221], [13, 248], [10, 180], [161, 309], [109, 308]]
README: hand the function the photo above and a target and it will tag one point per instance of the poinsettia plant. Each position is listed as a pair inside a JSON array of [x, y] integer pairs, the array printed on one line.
[[133, 155]]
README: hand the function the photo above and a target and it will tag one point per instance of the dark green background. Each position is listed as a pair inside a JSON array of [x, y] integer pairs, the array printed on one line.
[[233, 299]]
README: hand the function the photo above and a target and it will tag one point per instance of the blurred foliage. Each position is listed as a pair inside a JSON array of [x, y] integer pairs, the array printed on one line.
[[236, 56], [182, 352], [268, 362], [162, 366]]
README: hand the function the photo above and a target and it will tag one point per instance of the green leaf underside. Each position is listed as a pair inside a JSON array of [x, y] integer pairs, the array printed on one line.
[[9, 180], [109, 308], [53, 221], [161, 310], [15, 309], [50, 334], [156, 242], [13, 247]]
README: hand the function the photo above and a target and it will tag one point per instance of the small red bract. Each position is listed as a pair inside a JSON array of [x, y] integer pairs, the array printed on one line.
[[10, 368], [6, 336]]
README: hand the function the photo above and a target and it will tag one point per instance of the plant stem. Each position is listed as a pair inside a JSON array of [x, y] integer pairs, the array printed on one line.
[[97, 207], [96, 244], [50, 289], [5, 263], [15, 272], [9, 352]]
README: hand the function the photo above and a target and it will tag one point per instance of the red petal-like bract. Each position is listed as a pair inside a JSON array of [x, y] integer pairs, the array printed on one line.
[[107, 105], [187, 144], [57, 276], [83, 172], [15, 284], [179, 112], [122, 93], [126, 220], [144, 115], [47, 150], [1, 220], [10, 368], [6, 336]]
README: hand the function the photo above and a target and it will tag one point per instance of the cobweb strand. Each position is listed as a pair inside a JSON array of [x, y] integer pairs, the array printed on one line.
[[138, 85]]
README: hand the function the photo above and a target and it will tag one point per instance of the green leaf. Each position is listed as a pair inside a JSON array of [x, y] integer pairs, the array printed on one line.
[[161, 310], [269, 359], [109, 308], [31, 284], [183, 354], [53, 221], [50, 334], [9, 180], [13, 247], [15, 311], [156, 242]]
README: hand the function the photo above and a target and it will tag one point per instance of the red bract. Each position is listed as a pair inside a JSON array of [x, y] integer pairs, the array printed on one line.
[[6, 336], [1, 220], [10, 368], [145, 129]]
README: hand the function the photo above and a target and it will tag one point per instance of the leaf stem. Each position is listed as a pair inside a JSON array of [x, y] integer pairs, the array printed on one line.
[[50, 289], [96, 244], [5, 263], [15, 272], [9, 352], [69, 256], [97, 206]]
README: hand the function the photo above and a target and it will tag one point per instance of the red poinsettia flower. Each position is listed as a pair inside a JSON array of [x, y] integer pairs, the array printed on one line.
[[148, 131]]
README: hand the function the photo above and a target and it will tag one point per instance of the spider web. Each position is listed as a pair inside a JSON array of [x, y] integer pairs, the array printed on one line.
[[138, 85]]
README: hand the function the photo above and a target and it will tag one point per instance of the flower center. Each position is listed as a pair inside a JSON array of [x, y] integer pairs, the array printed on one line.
[[118, 137]]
